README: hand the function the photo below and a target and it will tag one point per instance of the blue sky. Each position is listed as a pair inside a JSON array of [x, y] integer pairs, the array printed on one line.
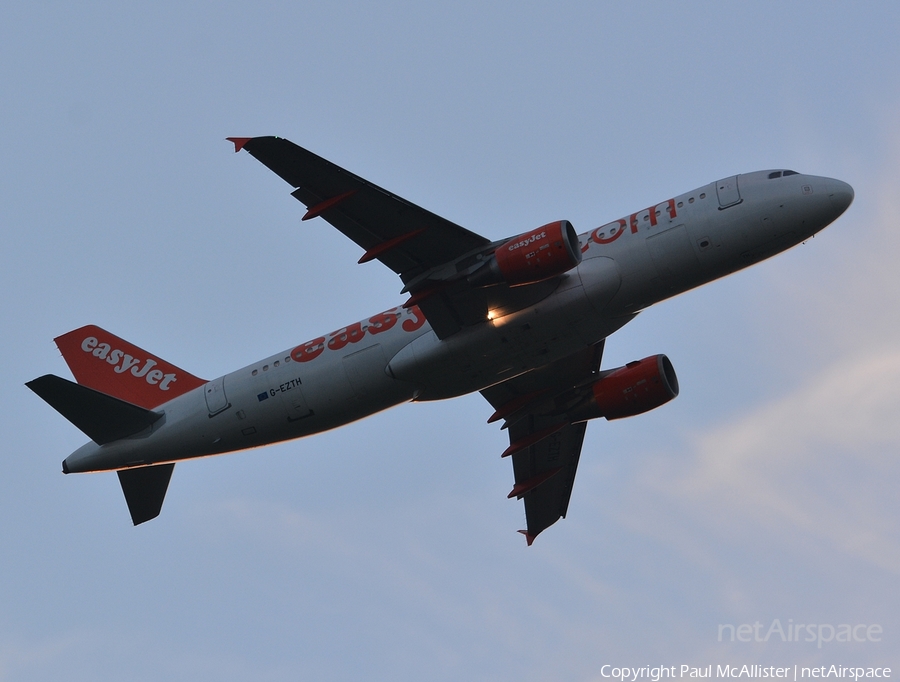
[[387, 549]]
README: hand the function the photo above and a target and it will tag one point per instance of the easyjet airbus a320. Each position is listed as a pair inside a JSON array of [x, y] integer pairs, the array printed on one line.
[[522, 320]]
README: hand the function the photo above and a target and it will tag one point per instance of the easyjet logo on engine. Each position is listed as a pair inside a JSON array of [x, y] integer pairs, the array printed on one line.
[[123, 362], [525, 242]]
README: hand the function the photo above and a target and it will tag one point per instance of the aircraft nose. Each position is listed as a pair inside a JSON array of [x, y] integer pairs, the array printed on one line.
[[840, 194]]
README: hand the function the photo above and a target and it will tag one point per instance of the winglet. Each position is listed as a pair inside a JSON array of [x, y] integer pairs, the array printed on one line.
[[529, 538], [239, 142]]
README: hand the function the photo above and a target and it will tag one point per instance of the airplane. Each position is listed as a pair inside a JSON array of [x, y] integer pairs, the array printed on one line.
[[522, 319]]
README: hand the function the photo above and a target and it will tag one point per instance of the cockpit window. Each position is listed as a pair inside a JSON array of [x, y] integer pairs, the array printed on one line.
[[779, 174]]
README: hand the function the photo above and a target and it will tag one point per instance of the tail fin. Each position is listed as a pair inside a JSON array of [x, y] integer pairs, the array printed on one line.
[[101, 417], [106, 363]]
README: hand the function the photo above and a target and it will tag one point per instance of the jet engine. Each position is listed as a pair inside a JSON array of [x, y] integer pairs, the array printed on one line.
[[532, 257], [638, 387]]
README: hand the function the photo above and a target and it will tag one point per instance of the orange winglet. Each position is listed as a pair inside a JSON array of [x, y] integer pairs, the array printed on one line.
[[529, 538], [323, 206], [239, 142], [520, 489], [533, 438], [384, 247]]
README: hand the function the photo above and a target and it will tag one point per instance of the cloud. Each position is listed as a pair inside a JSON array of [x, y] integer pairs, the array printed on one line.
[[845, 289], [819, 460]]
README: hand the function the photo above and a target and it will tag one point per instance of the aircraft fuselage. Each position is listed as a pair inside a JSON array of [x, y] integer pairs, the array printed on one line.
[[395, 356]]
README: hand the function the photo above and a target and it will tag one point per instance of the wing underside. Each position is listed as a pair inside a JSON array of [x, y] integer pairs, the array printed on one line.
[[433, 256], [403, 236], [545, 447], [545, 472]]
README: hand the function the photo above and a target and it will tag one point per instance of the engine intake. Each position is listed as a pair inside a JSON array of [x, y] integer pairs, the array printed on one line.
[[532, 256]]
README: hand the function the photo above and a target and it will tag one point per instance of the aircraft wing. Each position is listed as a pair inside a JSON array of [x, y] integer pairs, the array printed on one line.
[[427, 251], [403, 236], [545, 447], [545, 472]]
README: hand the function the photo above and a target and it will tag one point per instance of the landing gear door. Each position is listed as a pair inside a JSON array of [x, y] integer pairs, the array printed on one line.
[[728, 192], [216, 400]]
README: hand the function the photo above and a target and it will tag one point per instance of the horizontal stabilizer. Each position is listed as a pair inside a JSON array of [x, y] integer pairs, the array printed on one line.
[[100, 416], [145, 489]]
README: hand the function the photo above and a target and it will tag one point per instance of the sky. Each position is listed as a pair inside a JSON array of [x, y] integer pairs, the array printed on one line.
[[387, 550]]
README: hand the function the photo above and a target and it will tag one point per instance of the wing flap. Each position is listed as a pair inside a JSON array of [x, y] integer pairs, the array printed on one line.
[[538, 390], [545, 471]]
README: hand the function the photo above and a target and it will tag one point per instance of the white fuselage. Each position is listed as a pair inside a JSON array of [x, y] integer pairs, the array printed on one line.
[[394, 357]]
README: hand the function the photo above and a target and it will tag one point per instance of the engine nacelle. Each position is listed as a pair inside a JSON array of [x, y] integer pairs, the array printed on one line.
[[638, 387], [532, 257]]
